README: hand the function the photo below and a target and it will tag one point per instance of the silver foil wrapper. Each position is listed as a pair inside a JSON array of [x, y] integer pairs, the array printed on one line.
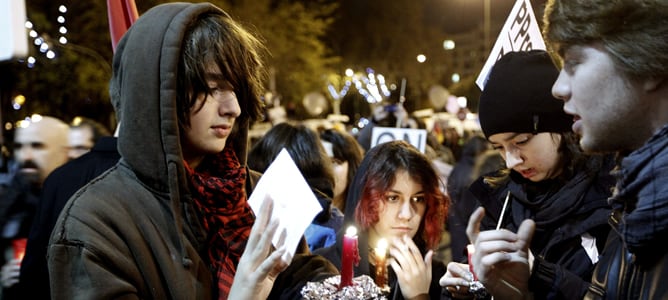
[[478, 290], [363, 288]]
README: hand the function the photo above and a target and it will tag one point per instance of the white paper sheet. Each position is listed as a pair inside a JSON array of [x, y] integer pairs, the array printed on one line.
[[295, 205]]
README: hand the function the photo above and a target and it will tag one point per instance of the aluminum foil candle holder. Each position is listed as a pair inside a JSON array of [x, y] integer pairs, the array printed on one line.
[[362, 287]]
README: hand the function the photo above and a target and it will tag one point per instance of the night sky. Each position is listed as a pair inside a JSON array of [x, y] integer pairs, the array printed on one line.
[[455, 16]]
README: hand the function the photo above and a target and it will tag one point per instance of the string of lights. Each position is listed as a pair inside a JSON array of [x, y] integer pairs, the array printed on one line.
[[370, 85], [43, 42]]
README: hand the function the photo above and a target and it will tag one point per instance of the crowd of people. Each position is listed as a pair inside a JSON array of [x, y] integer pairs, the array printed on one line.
[[558, 195], [41, 149]]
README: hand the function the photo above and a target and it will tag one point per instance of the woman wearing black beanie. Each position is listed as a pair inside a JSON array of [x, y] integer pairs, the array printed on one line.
[[547, 179]]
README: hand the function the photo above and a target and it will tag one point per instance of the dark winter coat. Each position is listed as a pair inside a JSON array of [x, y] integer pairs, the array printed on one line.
[[634, 263], [564, 212]]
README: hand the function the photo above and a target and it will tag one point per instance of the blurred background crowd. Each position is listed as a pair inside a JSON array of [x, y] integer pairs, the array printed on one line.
[[337, 69]]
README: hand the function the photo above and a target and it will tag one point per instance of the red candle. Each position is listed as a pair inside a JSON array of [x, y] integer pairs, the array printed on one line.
[[350, 256], [19, 246], [471, 249]]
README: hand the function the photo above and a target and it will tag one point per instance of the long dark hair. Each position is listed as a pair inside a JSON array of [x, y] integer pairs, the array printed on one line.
[[216, 39], [385, 161], [304, 147]]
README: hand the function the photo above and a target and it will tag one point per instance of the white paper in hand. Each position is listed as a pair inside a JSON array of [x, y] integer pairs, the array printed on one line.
[[295, 205]]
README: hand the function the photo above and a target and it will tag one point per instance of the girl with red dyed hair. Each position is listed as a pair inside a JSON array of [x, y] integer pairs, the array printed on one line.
[[395, 195]]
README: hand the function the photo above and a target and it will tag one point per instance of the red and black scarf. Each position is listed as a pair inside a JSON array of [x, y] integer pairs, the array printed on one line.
[[218, 193]]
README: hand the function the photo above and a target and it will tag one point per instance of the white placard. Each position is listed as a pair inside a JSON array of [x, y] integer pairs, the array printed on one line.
[[415, 137], [13, 36], [519, 33]]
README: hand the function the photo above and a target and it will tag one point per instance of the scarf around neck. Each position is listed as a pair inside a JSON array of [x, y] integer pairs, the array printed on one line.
[[218, 194], [549, 204], [642, 198]]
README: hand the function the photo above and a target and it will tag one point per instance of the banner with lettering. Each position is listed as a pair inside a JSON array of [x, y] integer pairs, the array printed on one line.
[[519, 33], [415, 137]]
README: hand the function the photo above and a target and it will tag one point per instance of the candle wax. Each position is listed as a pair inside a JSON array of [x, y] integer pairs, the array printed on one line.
[[349, 257]]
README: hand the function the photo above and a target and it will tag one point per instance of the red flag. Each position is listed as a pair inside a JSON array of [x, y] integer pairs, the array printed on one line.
[[122, 14]]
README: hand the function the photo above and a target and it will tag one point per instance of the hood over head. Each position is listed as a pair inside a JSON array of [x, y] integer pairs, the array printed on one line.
[[145, 86]]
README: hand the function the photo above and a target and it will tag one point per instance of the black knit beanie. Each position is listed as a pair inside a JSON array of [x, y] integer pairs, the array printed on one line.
[[518, 96]]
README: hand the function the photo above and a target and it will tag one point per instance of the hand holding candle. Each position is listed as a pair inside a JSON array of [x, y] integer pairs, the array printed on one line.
[[476, 287], [349, 257], [380, 253]]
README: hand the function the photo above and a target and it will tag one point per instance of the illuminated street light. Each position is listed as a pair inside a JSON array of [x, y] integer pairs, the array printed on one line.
[[421, 58], [18, 101], [448, 44], [455, 77]]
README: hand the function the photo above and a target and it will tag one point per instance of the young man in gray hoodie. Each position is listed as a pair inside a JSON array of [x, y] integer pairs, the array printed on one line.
[[171, 220]]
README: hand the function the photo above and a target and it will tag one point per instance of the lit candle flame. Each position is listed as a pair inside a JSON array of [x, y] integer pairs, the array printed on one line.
[[351, 231], [381, 264], [381, 248]]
